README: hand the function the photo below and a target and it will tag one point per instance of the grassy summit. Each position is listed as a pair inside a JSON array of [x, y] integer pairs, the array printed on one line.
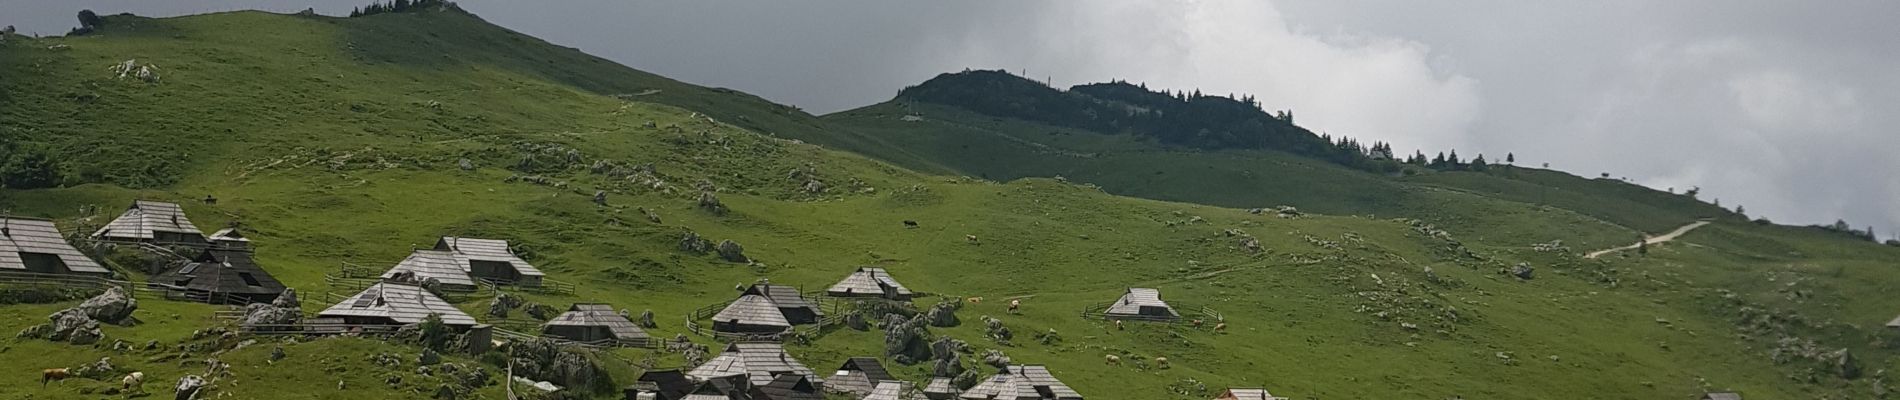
[[341, 140]]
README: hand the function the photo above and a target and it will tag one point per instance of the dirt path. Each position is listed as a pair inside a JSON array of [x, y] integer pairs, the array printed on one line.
[[1651, 240]]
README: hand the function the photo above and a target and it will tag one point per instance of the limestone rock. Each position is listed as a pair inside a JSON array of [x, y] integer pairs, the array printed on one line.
[[731, 251], [692, 243], [710, 203]]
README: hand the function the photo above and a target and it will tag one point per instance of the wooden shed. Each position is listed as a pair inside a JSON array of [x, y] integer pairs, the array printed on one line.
[[941, 388], [1247, 394], [223, 276], [460, 263], [154, 222], [751, 313], [1141, 304], [858, 376], [35, 245], [595, 323], [388, 303], [1022, 382], [869, 282], [761, 363]]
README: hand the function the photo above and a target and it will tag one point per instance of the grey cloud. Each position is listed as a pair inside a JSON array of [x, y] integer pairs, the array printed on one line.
[[1779, 106]]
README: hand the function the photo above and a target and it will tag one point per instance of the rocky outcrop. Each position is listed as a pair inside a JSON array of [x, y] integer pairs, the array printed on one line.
[[1522, 270], [80, 324], [646, 320], [285, 310], [115, 307], [692, 243], [732, 251], [188, 387], [943, 314], [710, 203]]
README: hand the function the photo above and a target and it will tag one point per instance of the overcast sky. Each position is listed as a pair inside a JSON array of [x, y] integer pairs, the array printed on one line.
[[1784, 107]]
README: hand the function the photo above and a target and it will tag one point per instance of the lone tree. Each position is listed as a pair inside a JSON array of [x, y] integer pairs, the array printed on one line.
[[1510, 158]]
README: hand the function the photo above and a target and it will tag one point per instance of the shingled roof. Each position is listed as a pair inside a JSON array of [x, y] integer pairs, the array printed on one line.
[[230, 237], [760, 362], [1722, 396], [751, 310], [1022, 382], [858, 375], [433, 264], [35, 245], [223, 271], [1141, 302], [941, 388], [1247, 394], [788, 387], [600, 316], [453, 259], [869, 282], [150, 220], [397, 303], [471, 249], [891, 390]]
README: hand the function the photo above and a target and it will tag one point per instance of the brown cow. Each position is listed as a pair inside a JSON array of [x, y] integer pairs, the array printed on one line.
[[53, 374]]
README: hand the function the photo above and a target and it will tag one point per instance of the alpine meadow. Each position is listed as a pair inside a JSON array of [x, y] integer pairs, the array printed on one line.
[[344, 152]]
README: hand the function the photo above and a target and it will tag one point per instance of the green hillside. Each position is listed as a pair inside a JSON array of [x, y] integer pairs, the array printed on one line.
[[341, 140]]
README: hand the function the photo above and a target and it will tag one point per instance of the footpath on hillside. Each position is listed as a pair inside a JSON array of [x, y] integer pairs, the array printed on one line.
[[1650, 240]]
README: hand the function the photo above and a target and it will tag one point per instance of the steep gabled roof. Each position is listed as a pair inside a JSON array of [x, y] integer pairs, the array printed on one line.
[[222, 271], [890, 390], [438, 264], [760, 362], [229, 235], [1249, 394], [868, 281], [1022, 382], [782, 296], [1135, 298], [752, 309], [871, 367], [145, 217], [467, 249], [38, 236], [599, 315], [788, 387], [403, 304], [670, 383]]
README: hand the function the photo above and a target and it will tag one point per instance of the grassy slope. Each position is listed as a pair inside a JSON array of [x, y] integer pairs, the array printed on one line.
[[328, 147]]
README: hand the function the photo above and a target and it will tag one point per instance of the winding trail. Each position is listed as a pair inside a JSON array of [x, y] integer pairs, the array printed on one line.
[[1651, 240]]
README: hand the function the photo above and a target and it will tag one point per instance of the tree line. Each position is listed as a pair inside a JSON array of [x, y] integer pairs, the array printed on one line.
[[395, 6]]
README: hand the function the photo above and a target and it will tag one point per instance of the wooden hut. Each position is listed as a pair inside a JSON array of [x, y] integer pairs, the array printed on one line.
[[34, 245], [751, 313], [230, 238], [594, 323], [666, 384], [152, 222], [458, 263], [871, 282], [941, 388], [222, 276], [761, 363], [388, 303], [893, 390], [791, 303], [1141, 304], [788, 387], [858, 376], [1722, 396], [1022, 382], [1247, 394]]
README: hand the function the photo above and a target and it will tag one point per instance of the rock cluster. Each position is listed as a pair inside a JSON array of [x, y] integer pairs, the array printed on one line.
[[285, 310], [80, 324], [692, 243], [731, 251]]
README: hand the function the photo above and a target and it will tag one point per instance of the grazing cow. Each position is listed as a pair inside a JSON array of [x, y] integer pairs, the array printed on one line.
[[134, 380], [974, 300], [1161, 362], [1118, 325], [1015, 305], [1220, 327], [1197, 323], [910, 224], [53, 374], [1113, 359], [971, 238]]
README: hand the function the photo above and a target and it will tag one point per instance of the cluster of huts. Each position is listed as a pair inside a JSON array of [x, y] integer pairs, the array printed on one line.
[[222, 270]]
